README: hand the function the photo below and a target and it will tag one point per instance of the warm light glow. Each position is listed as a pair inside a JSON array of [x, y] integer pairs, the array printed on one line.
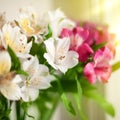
[[104, 7], [117, 32]]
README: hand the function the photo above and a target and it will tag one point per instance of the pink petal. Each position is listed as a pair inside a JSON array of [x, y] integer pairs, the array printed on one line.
[[81, 32], [90, 73], [66, 33], [102, 57], [84, 52], [104, 73], [102, 67]]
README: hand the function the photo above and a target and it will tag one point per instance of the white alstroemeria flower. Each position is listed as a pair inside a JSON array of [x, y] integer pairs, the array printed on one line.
[[58, 54], [58, 21], [28, 24], [32, 23], [13, 37], [39, 78], [8, 80]]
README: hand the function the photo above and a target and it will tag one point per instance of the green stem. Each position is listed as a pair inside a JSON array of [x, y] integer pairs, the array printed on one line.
[[70, 88], [24, 116], [49, 113], [18, 111]]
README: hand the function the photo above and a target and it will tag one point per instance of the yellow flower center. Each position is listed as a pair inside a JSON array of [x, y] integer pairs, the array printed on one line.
[[25, 24]]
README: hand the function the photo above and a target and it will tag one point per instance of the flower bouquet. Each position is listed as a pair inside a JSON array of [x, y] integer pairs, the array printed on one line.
[[43, 57]]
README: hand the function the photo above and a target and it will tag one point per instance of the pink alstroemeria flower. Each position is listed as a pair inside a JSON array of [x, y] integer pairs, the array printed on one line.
[[93, 33], [105, 36], [98, 34], [100, 68], [77, 37]]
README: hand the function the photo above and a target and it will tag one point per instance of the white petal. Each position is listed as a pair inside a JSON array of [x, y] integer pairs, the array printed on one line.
[[28, 62], [66, 23], [11, 91], [70, 61], [17, 79], [50, 55], [32, 66], [5, 62], [24, 56], [56, 15], [28, 47], [62, 45], [43, 69], [58, 21], [39, 82], [50, 47], [29, 94], [13, 37], [50, 60]]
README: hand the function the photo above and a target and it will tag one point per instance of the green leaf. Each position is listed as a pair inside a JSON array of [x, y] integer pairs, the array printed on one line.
[[67, 104], [15, 60], [22, 72], [116, 66], [25, 107], [96, 47], [79, 88], [4, 108], [78, 94], [86, 86], [49, 104], [49, 33], [78, 98], [101, 101], [38, 50]]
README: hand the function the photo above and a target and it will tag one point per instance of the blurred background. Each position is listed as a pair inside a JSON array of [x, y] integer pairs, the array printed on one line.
[[103, 11]]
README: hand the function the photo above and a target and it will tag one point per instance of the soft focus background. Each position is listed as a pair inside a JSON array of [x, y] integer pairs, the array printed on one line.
[[104, 11]]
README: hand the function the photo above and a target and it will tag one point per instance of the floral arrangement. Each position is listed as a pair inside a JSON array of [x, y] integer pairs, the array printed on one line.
[[43, 57]]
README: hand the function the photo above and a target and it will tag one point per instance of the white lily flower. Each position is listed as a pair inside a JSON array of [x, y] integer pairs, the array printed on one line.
[[13, 37], [58, 54], [39, 78], [8, 80], [58, 21]]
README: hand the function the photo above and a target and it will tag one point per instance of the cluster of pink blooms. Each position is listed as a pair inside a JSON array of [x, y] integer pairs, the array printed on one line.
[[96, 62]]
